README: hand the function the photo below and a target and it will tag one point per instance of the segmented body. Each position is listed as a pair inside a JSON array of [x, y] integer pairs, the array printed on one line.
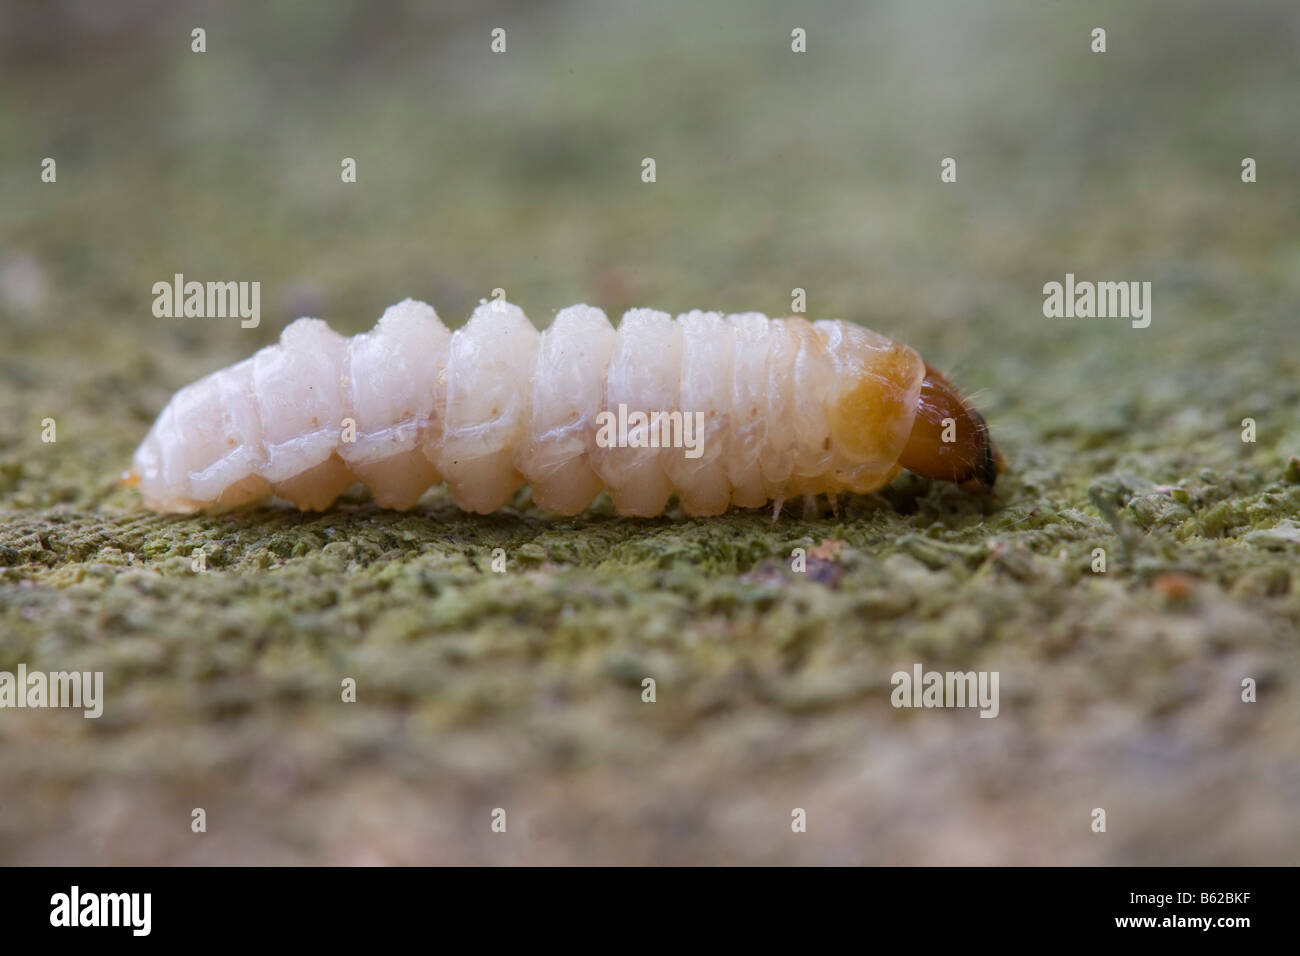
[[788, 408]]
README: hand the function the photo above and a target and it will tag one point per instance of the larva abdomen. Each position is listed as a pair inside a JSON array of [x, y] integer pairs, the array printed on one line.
[[719, 410]]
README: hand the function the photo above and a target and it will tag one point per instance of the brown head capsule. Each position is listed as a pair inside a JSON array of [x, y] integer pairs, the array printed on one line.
[[950, 441]]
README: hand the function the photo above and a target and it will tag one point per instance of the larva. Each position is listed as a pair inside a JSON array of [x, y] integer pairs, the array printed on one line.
[[784, 407]]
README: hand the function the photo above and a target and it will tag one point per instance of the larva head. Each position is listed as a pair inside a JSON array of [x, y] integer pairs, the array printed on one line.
[[949, 440]]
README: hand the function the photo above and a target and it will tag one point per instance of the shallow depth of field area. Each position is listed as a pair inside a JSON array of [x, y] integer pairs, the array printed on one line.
[[775, 170]]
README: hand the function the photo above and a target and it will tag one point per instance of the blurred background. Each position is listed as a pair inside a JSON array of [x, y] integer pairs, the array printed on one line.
[[775, 170]]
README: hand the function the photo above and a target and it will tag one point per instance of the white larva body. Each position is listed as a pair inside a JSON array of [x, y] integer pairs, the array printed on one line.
[[788, 408]]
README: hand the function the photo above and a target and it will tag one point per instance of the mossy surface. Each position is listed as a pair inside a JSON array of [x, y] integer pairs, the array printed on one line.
[[523, 690]]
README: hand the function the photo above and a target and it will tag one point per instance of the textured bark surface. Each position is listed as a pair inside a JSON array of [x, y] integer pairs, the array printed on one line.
[[522, 690]]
